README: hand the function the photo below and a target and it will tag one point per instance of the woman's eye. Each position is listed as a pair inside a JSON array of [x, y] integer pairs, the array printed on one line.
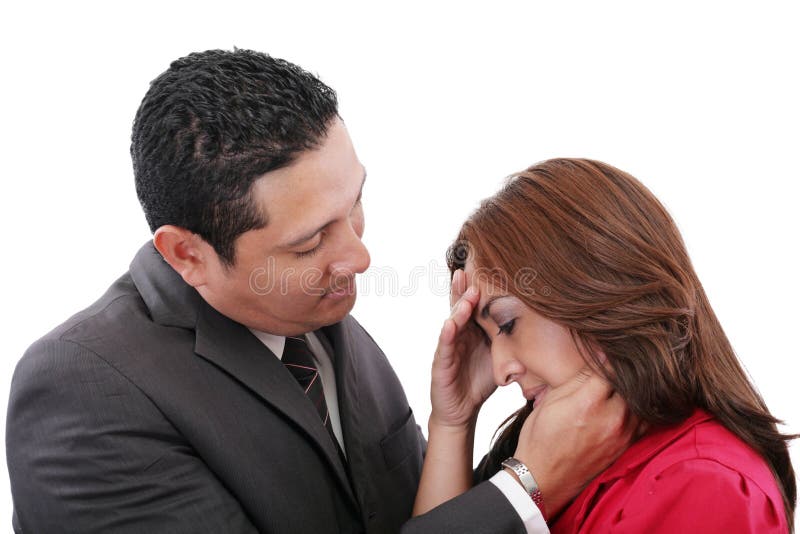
[[506, 328]]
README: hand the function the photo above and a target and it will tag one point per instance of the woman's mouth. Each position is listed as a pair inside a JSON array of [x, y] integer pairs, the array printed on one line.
[[535, 393]]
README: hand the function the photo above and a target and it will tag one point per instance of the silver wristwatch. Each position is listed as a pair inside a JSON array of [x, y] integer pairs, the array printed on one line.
[[528, 482]]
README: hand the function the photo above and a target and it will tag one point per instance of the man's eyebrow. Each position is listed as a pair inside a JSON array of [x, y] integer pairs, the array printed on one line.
[[305, 237]]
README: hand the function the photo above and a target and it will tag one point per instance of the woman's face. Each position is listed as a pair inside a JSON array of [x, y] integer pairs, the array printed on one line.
[[526, 348]]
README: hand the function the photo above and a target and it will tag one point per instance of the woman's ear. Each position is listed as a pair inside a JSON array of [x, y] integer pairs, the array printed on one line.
[[596, 358]]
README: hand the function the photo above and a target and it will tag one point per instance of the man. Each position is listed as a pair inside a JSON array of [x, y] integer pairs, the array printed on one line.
[[174, 403]]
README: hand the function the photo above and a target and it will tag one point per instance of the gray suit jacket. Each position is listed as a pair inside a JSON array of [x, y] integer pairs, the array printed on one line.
[[151, 412]]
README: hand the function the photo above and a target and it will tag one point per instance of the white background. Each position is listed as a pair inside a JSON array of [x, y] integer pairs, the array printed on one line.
[[442, 99]]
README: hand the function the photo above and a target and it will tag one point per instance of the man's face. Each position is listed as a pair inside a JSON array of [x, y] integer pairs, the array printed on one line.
[[298, 272]]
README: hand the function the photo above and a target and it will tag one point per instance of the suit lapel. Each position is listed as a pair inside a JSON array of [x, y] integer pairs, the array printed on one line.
[[339, 343], [231, 347]]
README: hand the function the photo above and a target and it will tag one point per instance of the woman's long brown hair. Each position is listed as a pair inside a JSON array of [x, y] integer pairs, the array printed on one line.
[[588, 246]]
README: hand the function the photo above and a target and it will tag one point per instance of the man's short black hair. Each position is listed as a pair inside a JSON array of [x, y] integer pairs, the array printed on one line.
[[213, 123]]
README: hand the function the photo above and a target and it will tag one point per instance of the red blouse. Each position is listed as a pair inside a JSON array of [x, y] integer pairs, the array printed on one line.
[[692, 477]]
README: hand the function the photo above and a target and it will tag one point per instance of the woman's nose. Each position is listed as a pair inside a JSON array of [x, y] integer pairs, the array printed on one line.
[[505, 367]]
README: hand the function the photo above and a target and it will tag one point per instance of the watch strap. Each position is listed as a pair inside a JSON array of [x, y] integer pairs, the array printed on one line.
[[527, 480]]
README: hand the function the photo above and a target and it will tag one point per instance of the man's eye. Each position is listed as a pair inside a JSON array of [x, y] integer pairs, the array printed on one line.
[[506, 328], [310, 252]]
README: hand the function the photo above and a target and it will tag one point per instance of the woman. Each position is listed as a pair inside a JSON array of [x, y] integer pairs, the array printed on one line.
[[575, 265]]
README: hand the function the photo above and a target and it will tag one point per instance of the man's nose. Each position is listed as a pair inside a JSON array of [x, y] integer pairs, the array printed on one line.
[[354, 258]]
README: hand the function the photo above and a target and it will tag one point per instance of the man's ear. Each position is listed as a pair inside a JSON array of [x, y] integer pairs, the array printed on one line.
[[186, 252]]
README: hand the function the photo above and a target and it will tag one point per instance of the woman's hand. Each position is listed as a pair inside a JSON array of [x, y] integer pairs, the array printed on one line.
[[461, 377], [461, 380]]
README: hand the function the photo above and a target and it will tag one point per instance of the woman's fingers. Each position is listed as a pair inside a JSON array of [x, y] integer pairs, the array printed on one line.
[[457, 286], [460, 315], [448, 333], [443, 357], [463, 300], [462, 311], [586, 388]]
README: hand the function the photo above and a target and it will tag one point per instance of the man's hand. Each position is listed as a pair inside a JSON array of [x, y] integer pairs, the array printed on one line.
[[461, 376], [575, 432]]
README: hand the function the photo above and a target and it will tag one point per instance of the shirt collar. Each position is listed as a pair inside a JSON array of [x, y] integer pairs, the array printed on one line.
[[271, 341]]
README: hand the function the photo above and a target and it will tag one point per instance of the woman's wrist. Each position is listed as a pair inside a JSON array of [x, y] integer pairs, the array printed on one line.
[[447, 469], [454, 427], [450, 443]]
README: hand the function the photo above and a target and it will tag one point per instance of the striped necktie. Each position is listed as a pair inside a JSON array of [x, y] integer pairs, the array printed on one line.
[[298, 359]]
